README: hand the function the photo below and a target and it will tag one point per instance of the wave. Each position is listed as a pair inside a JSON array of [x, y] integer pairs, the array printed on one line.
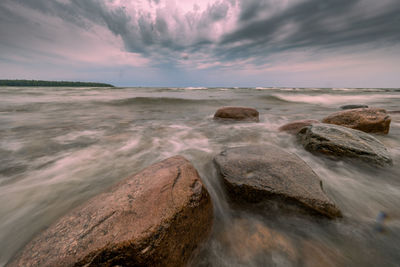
[[274, 98], [195, 88], [160, 100], [328, 99], [363, 89], [265, 88]]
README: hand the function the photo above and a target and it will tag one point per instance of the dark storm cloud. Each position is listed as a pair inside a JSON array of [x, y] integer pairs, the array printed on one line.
[[140, 32], [249, 9], [83, 14], [316, 25], [217, 11], [261, 30]]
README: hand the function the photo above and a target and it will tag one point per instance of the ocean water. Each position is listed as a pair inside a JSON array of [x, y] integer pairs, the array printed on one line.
[[61, 146]]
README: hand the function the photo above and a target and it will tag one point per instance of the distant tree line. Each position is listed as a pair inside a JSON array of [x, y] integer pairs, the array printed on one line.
[[51, 83]]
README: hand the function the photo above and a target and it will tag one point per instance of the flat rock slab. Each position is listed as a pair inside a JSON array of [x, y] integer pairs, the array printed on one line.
[[342, 142], [354, 106], [257, 173], [154, 218], [237, 114], [295, 126], [369, 120]]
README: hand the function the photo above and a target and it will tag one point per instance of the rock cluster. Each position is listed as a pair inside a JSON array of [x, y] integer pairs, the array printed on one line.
[[159, 216], [344, 134]]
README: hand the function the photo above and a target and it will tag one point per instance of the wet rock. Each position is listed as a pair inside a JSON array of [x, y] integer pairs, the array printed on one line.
[[257, 173], [295, 126], [316, 254], [154, 218], [353, 106], [369, 120], [246, 240], [342, 142], [237, 113]]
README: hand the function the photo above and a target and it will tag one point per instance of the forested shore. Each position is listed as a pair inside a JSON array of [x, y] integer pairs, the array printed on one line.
[[52, 83]]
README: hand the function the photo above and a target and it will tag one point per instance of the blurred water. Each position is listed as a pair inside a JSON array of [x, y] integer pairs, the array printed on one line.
[[60, 146]]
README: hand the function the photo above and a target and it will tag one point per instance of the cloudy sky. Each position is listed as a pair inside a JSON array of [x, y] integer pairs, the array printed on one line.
[[300, 43]]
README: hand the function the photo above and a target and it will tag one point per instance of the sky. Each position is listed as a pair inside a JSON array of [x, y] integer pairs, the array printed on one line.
[[232, 43]]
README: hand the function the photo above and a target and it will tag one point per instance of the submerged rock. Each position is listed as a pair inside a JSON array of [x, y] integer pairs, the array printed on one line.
[[342, 142], [237, 113], [315, 254], [257, 173], [154, 218], [295, 126], [248, 239], [369, 120], [353, 106]]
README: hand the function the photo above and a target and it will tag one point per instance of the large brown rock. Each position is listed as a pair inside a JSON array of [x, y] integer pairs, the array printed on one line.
[[265, 172], [154, 218], [237, 113], [369, 120], [295, 126]]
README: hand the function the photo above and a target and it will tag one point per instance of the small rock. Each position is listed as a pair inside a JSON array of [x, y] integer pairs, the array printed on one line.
[[154, 218], [380, 221], [237, 113], [353, 106], [295, 126], [369, 120], [257, 173], [342, 142]]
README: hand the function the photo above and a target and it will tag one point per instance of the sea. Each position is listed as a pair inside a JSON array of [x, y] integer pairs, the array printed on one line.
[[61, 146]]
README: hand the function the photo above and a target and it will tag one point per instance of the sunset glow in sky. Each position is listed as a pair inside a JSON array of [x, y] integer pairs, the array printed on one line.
[[299, 43]]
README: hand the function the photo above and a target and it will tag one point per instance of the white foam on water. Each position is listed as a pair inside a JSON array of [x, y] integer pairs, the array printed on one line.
[[265, 88], [10, 144], [72, 136], [342, 89], [358, 195], [359, 89], [195, 88], [129, 145], [50, 191], [184, 138], [328, 99]]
